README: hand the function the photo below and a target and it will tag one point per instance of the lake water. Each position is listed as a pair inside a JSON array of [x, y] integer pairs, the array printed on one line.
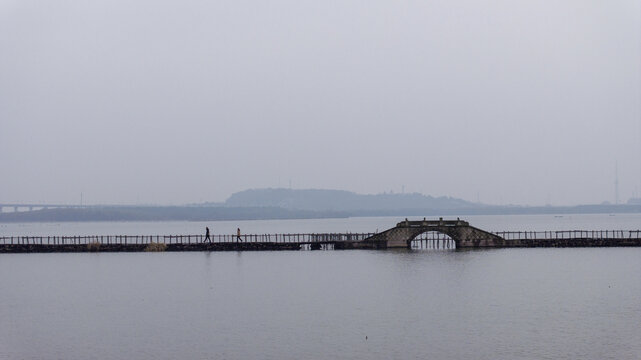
[[575, 303], [344, 225]]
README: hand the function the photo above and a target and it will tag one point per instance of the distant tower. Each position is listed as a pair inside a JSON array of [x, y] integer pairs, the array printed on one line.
[[616, 183]]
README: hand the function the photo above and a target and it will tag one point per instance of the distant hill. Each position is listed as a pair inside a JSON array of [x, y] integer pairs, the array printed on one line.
[[304, 204], [340, 200]]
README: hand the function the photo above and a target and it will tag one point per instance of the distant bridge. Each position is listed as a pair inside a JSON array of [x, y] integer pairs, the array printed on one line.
[[31, 207]]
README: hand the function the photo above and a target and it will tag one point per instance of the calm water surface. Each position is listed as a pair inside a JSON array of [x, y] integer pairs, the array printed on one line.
[[407, 304], [358, 224]]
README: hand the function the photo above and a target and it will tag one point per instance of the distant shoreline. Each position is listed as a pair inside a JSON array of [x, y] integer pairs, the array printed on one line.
[[219, 213]]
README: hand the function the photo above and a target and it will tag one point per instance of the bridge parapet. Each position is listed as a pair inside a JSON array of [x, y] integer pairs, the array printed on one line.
[[433, 223]]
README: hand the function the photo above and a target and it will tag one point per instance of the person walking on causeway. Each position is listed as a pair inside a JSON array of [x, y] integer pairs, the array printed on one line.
[[207, 235], [238, 235]]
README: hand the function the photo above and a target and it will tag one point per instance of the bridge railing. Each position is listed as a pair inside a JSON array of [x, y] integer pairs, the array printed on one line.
[[547, 235], [183, 239], [302, 238], [569, 234]]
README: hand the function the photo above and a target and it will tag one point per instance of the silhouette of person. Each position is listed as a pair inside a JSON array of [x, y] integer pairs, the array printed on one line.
[[207, 234], [238, 235]]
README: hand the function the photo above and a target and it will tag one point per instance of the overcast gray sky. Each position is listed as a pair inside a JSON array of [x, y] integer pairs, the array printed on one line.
[[169, 102]]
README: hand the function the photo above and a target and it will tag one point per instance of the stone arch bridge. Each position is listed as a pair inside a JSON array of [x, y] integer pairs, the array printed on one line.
[[460, 231]]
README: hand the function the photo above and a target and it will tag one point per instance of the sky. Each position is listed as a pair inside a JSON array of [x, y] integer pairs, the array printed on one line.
[[170, 102]]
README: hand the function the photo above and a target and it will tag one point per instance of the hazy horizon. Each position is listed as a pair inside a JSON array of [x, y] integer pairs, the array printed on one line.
[[525, 103], [82, 201]]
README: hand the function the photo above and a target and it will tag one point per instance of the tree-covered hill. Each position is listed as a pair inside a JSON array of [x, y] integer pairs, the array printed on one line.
[[339, 200]]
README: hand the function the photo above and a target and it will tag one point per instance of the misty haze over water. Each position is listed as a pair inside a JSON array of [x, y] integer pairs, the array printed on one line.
[[156, 102]]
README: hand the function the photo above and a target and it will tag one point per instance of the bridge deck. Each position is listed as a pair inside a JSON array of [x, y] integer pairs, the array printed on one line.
[[567, 238], [322, 238], [432, 223]]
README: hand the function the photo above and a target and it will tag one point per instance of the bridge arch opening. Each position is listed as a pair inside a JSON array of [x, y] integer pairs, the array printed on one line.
[[432, 240]]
